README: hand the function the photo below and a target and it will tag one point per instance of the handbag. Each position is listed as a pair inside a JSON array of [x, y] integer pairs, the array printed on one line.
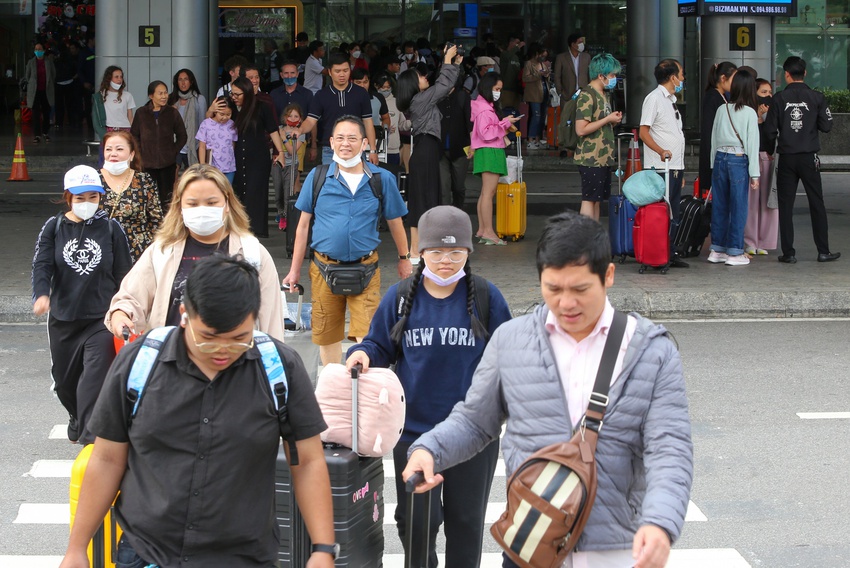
[[551, 494], [773, 196], [554, 97], [347, 279]]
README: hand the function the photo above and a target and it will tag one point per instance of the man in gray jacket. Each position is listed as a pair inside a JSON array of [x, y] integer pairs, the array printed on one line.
[[537, 374]]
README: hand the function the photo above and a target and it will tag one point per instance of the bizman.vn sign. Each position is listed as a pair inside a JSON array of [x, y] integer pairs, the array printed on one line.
[[743, 7]]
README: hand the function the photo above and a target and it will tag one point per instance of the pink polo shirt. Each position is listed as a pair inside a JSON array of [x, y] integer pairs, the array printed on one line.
[[578, 362]]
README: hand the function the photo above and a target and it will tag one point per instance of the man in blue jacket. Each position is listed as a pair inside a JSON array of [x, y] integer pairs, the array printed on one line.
[[537, 374]]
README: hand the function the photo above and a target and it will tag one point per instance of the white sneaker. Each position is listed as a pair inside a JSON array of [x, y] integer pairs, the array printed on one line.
[[542, 145], [717, 257], [750, 250], [532, 145], [739, 260]]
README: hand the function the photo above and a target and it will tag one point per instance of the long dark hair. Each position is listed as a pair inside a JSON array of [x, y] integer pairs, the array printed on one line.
[[175, 92], [408, 87], [743, 91], [718, 70], [248, 115], [478, 329], [485, 86]]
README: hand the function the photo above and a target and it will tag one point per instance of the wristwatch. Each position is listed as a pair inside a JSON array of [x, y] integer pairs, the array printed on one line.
[[373, 152], [404, 256], [332, 549]]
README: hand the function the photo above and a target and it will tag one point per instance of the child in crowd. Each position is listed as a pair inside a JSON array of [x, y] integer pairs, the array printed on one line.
[[218, 135], [294, 147]]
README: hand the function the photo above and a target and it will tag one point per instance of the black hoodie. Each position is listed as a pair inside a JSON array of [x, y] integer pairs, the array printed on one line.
[[80, 265]]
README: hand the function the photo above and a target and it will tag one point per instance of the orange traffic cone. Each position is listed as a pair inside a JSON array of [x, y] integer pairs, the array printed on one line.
[[633, 162], [19, 163]]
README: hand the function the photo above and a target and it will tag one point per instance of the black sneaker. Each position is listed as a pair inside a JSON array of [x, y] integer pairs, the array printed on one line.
[[73, 429]]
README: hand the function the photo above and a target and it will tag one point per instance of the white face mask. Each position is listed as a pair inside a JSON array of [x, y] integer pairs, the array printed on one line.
[[580, 47], [355, 54], [440, 281], [497, 95], [349, 163], [203, 221], [115, 86], [84, 210], [116, 168]]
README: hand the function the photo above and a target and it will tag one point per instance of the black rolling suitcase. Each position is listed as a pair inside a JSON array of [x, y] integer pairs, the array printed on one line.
[[695, 225], [416, 545], [357, 487]]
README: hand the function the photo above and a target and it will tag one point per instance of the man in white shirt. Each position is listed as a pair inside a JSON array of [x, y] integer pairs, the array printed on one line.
[[663, 138], [314, 70]]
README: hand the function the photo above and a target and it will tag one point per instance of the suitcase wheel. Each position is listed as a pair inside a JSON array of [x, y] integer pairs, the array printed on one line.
[[664, 270], [642, 269], [622, 259]]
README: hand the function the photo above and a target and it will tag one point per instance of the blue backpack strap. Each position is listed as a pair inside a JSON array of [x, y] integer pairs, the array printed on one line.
[[276, 375], [143, 365]]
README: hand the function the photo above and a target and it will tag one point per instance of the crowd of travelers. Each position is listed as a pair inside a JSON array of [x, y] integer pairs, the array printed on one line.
[[167, 232]]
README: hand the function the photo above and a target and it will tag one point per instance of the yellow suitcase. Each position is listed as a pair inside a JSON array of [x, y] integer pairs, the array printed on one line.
[[103, 548], [511, 210]]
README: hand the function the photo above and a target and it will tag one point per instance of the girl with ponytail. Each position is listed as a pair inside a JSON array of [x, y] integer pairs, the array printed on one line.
[[716, 94], [431, 328]]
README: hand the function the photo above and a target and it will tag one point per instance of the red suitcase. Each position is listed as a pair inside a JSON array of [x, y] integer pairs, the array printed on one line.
[[651, 233]]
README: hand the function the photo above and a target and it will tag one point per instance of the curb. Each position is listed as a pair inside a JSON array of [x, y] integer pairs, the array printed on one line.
[[660, 305]]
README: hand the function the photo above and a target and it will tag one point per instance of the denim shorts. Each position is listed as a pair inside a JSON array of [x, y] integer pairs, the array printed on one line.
[[127, 557]]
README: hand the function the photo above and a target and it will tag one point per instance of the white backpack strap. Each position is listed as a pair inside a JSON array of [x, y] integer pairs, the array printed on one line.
[[251, 250], [143, 365]]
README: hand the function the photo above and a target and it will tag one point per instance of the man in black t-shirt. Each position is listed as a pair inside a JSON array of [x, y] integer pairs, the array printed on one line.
[[196, 469], [336, 100]]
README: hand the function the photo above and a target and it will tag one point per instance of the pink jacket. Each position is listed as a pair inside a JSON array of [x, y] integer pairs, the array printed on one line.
[[487, 130]]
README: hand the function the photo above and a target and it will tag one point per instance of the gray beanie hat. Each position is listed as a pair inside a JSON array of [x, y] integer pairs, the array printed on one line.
[[445, 226]]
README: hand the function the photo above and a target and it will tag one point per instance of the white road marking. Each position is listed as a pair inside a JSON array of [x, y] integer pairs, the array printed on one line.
[[30, 561], [44, 514], [679, 558], [58, 432], [51, 468], [823, 415], [752, 320]]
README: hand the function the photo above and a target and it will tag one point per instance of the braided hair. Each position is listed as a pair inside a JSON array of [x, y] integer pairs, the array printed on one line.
[[478, 328]]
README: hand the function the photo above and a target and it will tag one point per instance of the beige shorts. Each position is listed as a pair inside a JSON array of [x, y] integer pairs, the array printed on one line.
[[329, 309]]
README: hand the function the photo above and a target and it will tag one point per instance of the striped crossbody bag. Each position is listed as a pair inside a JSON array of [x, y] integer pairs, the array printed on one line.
[[551, 494]]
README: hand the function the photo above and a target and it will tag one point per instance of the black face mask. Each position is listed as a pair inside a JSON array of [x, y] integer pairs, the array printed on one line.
[[765, 100]]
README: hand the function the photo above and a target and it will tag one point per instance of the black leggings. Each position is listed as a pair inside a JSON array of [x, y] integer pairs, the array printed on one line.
[[164, 178], [460, 502], [81, 352]]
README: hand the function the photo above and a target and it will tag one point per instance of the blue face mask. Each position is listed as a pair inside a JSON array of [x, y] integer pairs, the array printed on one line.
[[490, 69], [289, 81], [679, 87], [612, 83], [39, 53]]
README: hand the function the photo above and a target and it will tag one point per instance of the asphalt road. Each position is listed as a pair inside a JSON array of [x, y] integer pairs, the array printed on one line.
[[769, 491]]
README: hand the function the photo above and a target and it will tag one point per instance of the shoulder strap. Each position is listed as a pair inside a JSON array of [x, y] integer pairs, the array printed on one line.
[[482, 300], [319, 175], [144, 364], [599, 397], [377, 186], [276, 375], [56, 225], [251, 250], [729, 114]]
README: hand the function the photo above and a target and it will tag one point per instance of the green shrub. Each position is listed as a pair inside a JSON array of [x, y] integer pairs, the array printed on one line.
[[837, 99]]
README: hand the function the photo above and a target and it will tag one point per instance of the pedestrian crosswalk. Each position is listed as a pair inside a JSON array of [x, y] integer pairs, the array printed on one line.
[[34, 514]]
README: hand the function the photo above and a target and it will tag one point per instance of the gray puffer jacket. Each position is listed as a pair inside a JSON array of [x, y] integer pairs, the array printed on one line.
[[644, 455]]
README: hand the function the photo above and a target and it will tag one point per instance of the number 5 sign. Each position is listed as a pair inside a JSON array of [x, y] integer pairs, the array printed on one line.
[[742, 37], [148, 36]]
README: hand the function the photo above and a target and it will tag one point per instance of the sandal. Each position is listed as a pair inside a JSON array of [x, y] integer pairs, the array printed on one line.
[[497, 242]]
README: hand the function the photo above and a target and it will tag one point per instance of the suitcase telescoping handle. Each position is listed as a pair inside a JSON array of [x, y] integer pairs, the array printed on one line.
[[299, 321], [416, 558], [355, 375], [667, 185]]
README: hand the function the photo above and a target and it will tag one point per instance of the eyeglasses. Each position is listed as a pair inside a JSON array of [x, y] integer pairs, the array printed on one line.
[[350, 139], [676, 110], [208, 348], [454, 256], [234, 94]]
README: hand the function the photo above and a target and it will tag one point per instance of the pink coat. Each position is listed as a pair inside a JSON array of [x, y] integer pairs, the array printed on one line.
[[487, 130]]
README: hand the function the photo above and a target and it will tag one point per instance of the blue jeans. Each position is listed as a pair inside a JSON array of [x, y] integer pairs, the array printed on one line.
[[535, 121], [230, 176], [730, 182], [327, 155], [126, 557]]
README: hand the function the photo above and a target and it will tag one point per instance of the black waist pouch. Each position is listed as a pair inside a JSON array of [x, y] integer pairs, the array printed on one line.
[[347, 279]]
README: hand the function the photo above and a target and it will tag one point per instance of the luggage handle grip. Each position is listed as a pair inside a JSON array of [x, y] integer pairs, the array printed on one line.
[[288, 288], [355, 374], [418, 478]]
